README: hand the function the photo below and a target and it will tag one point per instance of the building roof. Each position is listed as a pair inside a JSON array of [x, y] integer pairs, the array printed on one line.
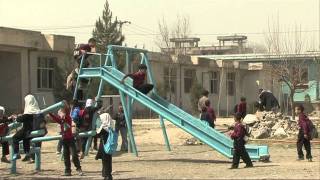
[[188, 39], [258, 57], [232, 38]]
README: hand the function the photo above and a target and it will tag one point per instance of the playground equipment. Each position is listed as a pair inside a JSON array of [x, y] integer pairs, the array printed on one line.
[[108, 72], [36, 133], [36, 139]]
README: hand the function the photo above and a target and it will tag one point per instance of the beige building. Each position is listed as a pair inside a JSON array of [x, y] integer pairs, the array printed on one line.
[[27, 65]]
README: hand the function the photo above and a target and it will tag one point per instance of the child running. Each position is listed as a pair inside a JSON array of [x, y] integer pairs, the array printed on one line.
[[238, 144], [304, 134], [139, 80], [68, 141]]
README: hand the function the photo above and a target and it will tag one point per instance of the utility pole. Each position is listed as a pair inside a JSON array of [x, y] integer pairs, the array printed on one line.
[[121, 23]]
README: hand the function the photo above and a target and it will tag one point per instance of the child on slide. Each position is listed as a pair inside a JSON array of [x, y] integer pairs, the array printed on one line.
[[139, 80]]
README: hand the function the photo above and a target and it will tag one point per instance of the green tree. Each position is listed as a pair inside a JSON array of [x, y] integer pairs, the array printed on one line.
[[107, 31]]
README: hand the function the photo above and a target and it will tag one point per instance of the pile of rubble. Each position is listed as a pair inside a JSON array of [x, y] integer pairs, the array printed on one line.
[[271, 125], [268, 124]]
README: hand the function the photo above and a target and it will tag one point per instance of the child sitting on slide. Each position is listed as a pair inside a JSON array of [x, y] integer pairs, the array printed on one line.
[[68, 141], [139, 80]]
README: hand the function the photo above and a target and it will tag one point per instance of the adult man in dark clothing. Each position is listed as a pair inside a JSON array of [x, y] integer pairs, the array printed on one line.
[[268, 100], [238, 144]]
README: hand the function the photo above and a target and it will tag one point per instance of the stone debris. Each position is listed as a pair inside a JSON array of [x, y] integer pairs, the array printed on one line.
[[273, 125]]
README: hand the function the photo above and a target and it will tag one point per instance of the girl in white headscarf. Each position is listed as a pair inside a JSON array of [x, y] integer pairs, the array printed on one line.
[[106, 122], [30, 109]]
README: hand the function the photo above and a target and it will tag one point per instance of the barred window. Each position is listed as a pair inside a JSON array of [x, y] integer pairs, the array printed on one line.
[[214, 82], [45, 72], [170, 79], [189, 76]]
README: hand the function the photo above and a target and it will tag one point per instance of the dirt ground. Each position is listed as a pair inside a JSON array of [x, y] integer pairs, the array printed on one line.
[[183, 162]]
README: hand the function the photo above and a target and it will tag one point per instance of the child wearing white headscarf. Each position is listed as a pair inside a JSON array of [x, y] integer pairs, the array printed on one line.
[[30, 109], [106, 122]]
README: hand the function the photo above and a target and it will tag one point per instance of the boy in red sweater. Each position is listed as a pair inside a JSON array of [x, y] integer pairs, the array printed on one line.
[[304, 134], [139, 80], [68, 141], [238, 144]]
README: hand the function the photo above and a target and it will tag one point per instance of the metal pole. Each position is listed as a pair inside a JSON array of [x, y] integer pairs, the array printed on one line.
[[127, 116], [78, 79], [163, 127], [13, 169]]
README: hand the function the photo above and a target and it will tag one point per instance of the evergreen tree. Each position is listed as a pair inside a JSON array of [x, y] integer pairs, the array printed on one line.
[[107, 31]]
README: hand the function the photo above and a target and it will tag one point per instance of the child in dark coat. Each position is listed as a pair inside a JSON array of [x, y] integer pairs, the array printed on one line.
[[68, 140], [304, 134], [122, 127], [139, 80], [241, 108], [238, 135], [205, 116], [211, 112]]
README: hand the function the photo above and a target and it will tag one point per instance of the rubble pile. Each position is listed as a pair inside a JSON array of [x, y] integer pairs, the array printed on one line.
[[271, 125]]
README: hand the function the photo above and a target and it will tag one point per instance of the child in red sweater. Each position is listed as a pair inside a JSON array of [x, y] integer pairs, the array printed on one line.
[[304, 134], [68, 141]]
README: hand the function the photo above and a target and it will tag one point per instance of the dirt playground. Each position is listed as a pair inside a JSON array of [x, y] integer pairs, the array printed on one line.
[[183, 162]]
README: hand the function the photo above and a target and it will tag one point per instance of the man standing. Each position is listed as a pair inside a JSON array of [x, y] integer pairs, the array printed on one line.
[[202, 100]]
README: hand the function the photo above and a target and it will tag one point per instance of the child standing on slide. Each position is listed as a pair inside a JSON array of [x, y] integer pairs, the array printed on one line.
[[139, 80], [68, 141]]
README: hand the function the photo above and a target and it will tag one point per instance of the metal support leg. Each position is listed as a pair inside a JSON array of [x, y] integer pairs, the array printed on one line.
[[88, 145], [129, 126], [165, 136], [129, 109], [37, 152], [13, 169]]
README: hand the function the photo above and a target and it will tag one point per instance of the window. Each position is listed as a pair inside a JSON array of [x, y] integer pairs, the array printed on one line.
[[46, 72], [230, 83], [214, 82], [170, 79], [189, 76]]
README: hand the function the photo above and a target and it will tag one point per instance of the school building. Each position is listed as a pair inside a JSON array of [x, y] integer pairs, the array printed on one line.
[[226, 74], [27, 65]]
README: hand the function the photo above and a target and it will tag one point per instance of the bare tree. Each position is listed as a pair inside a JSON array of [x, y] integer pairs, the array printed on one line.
[[180, 29], [286, 46]]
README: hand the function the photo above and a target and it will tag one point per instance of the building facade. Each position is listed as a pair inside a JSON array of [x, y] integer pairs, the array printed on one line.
[[28, 60]]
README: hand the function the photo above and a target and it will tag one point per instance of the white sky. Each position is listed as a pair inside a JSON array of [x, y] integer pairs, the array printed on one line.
[[206, 16]]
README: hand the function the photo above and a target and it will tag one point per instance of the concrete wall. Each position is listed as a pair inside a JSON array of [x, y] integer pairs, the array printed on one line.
[[10, 73], [19, 51]]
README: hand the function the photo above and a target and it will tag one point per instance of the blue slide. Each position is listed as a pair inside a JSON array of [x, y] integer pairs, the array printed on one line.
[[213, 138]]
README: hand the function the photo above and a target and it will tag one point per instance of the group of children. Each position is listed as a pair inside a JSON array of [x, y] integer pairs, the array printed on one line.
[[73, 119], [239, 132]]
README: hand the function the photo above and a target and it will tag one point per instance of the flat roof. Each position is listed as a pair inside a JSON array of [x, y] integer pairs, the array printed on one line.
[[232, 38], [188, 39], [258, 57]]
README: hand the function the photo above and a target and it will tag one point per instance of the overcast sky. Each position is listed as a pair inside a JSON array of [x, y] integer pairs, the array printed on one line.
[[208, 17]]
